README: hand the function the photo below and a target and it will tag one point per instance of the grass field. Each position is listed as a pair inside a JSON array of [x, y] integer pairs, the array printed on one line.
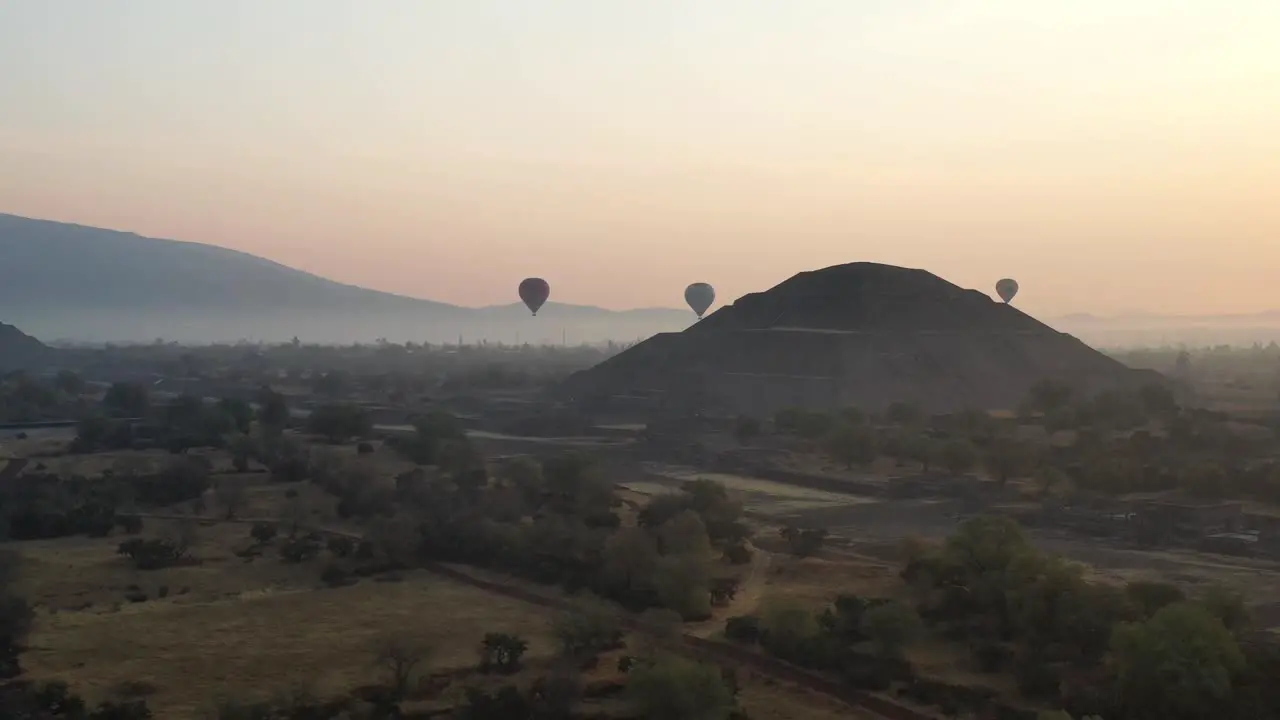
[[263, 641]]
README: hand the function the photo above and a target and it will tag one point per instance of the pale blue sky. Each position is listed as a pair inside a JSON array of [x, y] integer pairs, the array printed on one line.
[[447, 149]]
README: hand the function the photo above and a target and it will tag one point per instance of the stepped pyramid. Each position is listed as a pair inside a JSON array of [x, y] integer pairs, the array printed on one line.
[[861, 334]]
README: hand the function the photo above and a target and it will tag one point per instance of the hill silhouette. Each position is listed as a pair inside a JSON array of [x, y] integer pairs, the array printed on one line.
[[65, 281], [863, 335], [20, 351]]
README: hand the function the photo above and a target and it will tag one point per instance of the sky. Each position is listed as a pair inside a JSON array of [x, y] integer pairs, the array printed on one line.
[[1112, 155]]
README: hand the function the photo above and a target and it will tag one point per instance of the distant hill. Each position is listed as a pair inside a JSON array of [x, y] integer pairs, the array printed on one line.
[[862, 335], [64, 281], [60, 281]]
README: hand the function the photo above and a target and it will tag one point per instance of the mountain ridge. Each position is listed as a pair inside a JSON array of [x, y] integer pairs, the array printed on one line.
[[77, 282]]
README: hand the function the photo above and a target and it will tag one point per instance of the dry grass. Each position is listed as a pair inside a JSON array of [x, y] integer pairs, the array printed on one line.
[[86, 574], [815, 582], [265, 641], [765, 699]]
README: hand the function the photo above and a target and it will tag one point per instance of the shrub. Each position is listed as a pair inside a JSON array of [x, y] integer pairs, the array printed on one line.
[[743, 628]]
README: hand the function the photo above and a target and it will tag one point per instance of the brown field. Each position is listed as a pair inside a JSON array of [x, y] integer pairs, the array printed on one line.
[[227, 627], [256, 642]]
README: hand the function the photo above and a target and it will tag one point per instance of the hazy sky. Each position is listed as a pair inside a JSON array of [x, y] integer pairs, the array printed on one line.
[[1110, 154]]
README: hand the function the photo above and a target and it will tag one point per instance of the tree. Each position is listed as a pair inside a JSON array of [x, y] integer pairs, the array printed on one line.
[[1227, 605], [400, 657], [69, 382], [240, 412], [685, 534], [1009, 458], [683, 584], [502, 652], [851, 444], [803, 543], [242, 449], [746, 428], [958, 456], [904, 414], [339, 422], [785, 628], [658, 630], [126, 400], [1152, 597], [923, 449], [1054, 483], [891, 627], [1179, 665], [630, 557], [720, 514], [675, 688], [586, 631], [273, 410]]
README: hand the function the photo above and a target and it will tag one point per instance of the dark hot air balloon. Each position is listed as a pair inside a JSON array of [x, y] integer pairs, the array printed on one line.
[[534, 292], [1006, 289], [699, 296]]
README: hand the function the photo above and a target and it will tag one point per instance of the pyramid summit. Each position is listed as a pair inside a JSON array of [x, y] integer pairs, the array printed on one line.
[[861, 334]]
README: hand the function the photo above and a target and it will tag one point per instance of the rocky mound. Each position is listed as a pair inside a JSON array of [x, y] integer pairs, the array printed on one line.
[[861, 334], [20, 351]]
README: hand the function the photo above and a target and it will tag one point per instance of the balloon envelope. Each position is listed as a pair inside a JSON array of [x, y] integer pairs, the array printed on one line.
[[534, 292], [1006, 289], [699, 296]]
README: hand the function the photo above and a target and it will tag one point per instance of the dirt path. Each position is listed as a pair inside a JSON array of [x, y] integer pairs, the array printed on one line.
[[745, 602]]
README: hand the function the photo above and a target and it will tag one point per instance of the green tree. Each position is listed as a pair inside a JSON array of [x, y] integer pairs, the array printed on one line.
[[1151, 597], [1227, 605], [630, 557], [1179, 665], [586, 631], [786, 627], [685, 534], [684, 585], [892, 626], [674, 688]]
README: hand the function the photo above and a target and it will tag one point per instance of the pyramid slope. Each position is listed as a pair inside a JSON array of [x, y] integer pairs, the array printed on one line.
[[20, 351], [861, 334]]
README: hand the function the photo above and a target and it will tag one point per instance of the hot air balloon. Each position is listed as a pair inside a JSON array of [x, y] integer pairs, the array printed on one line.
[[534, 292], [699, 296], [1006, 289]]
